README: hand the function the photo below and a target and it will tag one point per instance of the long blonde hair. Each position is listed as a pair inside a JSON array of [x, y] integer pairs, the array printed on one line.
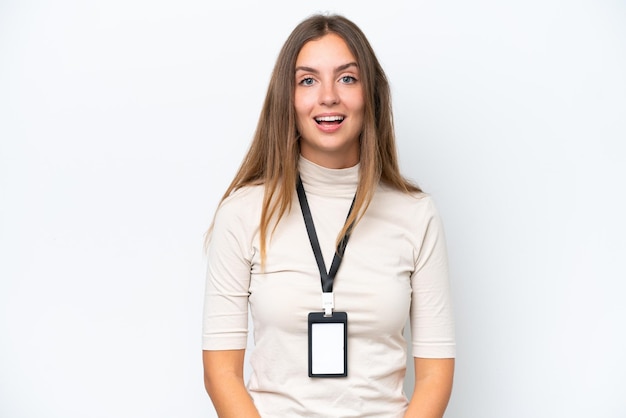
[[272, 160]]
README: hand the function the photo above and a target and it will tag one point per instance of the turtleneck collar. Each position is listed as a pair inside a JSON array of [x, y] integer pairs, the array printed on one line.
[[328, 181]]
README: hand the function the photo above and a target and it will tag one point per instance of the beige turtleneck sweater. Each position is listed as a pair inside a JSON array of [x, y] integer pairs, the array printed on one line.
[[394, 267]]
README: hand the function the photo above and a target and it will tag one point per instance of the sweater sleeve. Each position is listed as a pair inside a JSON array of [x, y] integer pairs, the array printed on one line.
[[225, 319], [432, 322]]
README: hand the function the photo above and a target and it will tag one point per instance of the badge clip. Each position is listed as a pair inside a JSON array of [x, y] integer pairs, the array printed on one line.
[[328, 303]]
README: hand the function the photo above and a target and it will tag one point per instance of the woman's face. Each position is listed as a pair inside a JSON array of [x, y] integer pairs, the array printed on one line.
[[328, 102]]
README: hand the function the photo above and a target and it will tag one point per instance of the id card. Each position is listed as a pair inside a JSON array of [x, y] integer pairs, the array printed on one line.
[[328, 345]]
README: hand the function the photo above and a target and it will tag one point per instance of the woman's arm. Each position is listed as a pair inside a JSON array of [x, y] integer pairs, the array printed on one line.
[[433, 385], [223, 380]]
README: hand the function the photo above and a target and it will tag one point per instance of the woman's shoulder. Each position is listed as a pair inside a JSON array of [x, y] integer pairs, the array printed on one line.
[[244, 194], [413, 212], [401, 199], [244, 202]]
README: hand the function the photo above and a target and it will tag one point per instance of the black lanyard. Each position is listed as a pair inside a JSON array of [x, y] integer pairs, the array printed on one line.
[[326, 278]]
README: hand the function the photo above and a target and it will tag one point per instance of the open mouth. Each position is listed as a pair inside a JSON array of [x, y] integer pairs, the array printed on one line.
[[329, 120]]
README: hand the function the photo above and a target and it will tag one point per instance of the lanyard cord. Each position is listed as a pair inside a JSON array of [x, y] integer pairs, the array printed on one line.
[[326, 278]]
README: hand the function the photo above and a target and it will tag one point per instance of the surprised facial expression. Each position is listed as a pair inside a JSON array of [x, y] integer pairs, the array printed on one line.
[[329, 102]]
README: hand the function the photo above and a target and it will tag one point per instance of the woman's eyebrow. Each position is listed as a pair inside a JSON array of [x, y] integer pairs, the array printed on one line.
[[346, 66], [337, 70], [306, 69]]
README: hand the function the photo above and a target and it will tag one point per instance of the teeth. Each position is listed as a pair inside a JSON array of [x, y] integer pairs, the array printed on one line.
[[329, 119]]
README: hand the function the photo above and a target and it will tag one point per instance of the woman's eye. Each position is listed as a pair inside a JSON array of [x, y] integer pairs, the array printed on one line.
[[348, 79], [308, 81]]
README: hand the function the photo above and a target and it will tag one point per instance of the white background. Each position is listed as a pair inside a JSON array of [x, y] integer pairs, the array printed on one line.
[[122, 122]]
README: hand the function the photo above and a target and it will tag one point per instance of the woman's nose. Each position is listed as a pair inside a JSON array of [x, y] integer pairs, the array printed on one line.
[[328, 94]]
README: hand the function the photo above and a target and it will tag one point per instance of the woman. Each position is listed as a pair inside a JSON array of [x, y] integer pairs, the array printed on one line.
[[326, 128]]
